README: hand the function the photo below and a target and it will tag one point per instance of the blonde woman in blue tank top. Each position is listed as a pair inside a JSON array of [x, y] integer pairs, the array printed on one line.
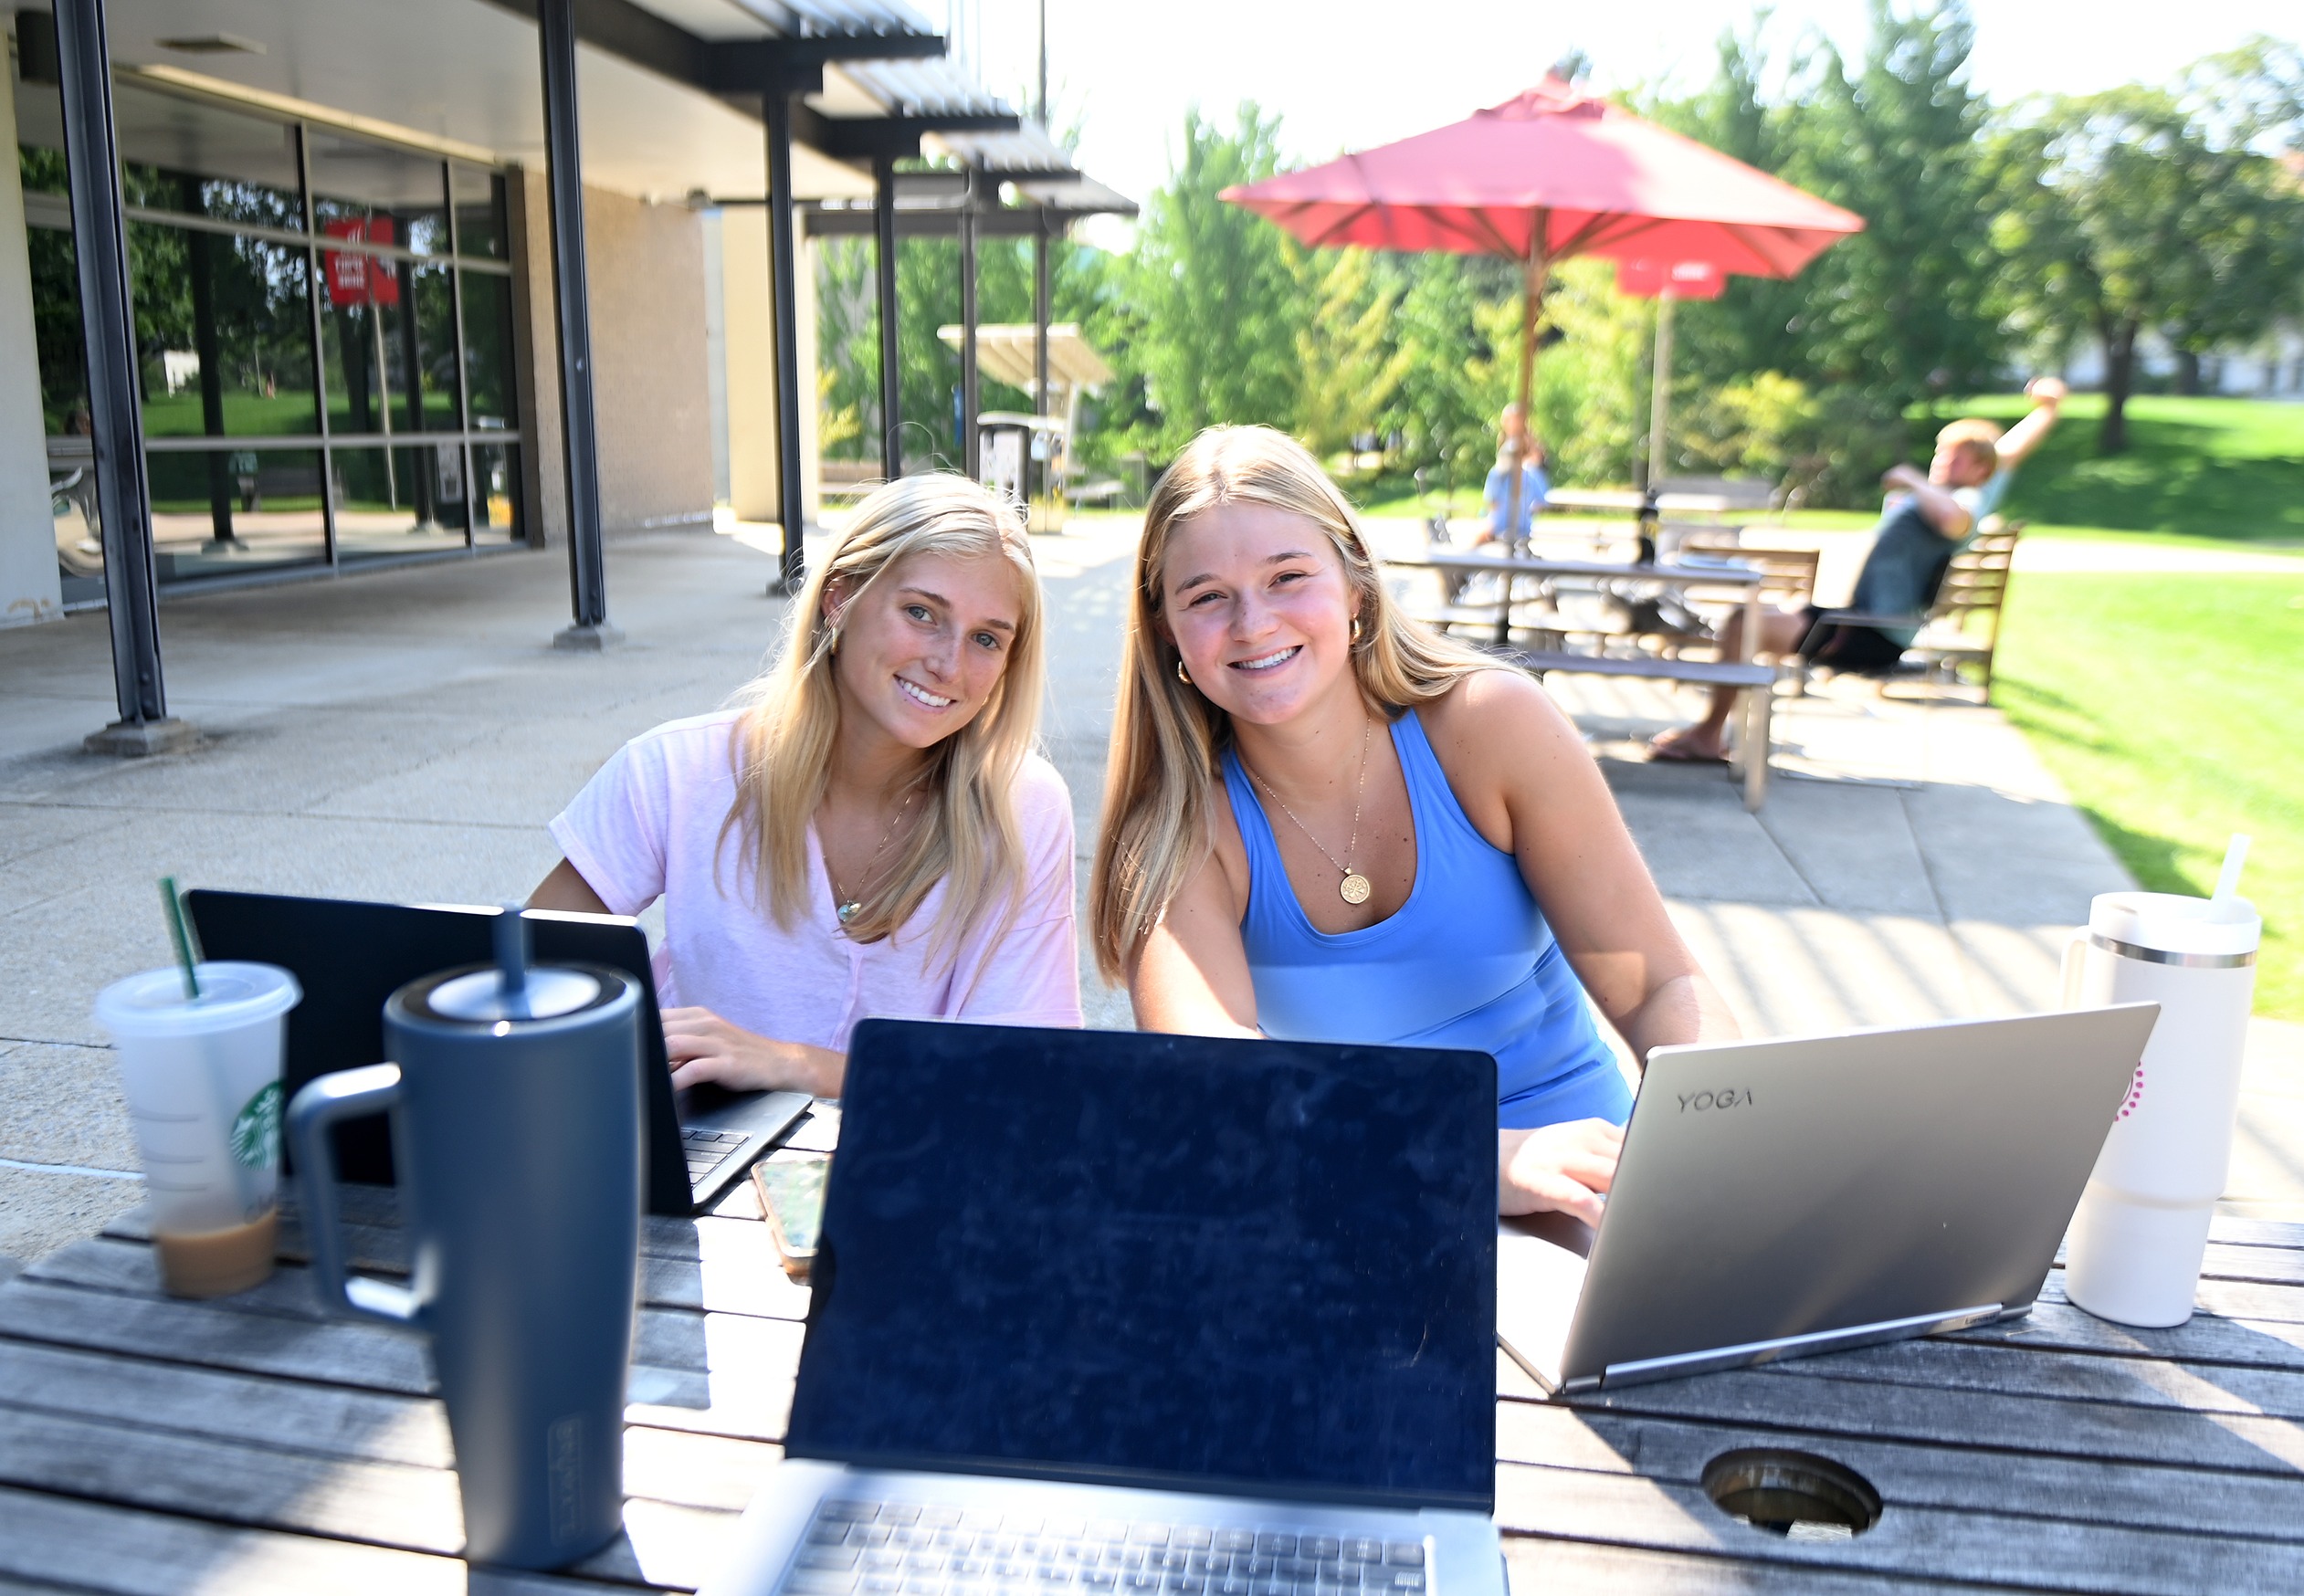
[[1325, 822]]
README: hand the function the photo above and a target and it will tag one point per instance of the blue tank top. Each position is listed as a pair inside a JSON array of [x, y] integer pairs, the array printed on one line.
[[1468, 961]]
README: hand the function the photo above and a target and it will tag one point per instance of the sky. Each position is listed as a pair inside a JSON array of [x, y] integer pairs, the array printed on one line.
[[1347, 74]]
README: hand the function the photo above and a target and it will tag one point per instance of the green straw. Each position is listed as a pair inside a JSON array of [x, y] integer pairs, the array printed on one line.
[[180, 933]]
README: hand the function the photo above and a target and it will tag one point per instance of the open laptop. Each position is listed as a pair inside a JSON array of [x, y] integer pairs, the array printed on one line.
[[1776, 1199], [1137, 1313], [350, 957]]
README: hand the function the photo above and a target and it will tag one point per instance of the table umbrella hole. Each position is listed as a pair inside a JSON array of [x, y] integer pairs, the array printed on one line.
[[1795, 1494]]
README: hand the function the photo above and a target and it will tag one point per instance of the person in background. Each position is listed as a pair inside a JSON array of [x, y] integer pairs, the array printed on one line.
[[1323, 822], [1496, 496], [1926, 520], [868, 832]]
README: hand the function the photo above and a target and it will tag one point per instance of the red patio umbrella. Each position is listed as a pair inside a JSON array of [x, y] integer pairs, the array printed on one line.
[[1550, 174]]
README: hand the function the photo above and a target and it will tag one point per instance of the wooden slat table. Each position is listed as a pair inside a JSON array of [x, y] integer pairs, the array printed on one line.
[[252, 1446]]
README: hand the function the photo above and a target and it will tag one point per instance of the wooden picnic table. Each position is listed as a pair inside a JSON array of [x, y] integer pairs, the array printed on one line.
[[1756, 682], [252, 1447]]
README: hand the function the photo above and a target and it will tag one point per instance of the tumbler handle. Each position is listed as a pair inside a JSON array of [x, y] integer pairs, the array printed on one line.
[[344, 1095], [2075, 961]]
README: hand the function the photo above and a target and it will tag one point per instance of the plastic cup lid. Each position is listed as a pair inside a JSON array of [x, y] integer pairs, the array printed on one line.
[[231, 995], [2169, 922]]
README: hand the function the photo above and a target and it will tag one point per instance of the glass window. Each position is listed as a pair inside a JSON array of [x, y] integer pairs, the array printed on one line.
[[496, 493], [223, 335], [478, 196], [179, 154], [488, 349], [398, 502], [388, 332], [219, 511], [396, 196], [56, 330]]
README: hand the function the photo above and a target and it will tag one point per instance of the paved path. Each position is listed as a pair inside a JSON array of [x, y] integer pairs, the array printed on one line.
[[406, 735]]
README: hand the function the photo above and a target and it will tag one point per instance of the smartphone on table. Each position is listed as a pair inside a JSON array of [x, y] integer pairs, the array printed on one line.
[[791, 1188]]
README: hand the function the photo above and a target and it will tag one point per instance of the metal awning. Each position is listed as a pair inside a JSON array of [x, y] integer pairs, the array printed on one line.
[[1009, 352]]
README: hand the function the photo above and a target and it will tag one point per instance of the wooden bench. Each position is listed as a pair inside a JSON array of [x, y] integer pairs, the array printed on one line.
[[1753, 681], [1975, 585], [1757, 683]]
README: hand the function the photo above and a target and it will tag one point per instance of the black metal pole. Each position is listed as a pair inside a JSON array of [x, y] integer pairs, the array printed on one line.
[[578, 421], [785, 266], [123, 494], [1041, 249], [891, 356], [971, 444]]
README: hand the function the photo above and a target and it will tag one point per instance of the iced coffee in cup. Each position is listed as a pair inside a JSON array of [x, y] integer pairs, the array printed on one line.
[[203, 1081]]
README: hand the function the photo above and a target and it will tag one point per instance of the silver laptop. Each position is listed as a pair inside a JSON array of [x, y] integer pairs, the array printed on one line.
[[1110, 1314], [1781, 1198]]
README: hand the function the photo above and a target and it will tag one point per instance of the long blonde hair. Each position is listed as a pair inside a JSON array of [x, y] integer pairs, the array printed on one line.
[[1167, 736], [968, 836]]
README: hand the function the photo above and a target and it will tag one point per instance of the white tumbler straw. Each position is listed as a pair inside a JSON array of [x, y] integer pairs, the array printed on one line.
[[2137, 1242], [202, 1077]]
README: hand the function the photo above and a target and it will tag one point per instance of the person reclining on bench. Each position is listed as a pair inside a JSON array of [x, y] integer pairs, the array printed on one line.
[[1925, 521]]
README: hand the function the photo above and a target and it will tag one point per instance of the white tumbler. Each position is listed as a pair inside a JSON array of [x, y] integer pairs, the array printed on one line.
[[2136, 1244]]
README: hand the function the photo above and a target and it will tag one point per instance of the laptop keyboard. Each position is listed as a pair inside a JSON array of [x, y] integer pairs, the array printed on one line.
[[708, 1149], [904, 1549]]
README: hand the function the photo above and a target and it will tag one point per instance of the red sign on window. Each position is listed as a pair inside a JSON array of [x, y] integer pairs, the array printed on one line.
[[356, 279]]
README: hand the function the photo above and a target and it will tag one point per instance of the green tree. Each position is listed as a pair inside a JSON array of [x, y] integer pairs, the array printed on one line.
[[1904, 307], [1350, 367], [2121, 214], [1217, 305]]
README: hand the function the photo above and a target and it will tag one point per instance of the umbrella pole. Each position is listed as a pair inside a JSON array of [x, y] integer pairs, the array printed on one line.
[[1660, 387], [1516, 450]]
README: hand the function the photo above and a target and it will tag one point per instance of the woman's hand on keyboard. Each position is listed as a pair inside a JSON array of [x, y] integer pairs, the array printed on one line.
[[702, 1047], [1566, 1167]]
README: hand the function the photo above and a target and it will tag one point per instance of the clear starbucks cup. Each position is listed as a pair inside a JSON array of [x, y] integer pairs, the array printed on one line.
[[203, 1080]]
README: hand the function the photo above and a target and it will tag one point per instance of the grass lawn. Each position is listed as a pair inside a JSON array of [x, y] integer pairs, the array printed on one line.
[[2167, 705], [2221, 468]]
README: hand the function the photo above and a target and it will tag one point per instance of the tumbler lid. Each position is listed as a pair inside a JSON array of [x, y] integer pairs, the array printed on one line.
[[545, 994], [2170, 922]]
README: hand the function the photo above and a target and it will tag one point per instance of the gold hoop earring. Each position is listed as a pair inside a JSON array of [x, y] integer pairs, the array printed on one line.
[[832, 646], [1355, 632], [1181, 675]]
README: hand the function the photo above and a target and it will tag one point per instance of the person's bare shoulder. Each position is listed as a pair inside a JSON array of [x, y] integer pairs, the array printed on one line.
[[1490, 714]]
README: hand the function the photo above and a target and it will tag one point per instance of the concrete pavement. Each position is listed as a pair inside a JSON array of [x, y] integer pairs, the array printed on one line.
[[406, 735]]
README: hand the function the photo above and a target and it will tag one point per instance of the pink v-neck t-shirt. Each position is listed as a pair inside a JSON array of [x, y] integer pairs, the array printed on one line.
[[647, 825]]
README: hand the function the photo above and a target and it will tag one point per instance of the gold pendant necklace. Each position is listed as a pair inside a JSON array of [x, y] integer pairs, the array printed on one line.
[[848, 910], [1354, 888]]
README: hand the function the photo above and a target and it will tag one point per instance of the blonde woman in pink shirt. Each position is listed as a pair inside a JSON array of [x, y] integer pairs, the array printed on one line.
[[867, 830]]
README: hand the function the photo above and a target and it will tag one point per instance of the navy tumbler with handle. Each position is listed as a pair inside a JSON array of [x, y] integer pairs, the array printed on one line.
[[515, 1102]]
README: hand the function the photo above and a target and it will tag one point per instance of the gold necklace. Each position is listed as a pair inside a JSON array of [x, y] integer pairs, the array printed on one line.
[[847, 911], [1355, 888]]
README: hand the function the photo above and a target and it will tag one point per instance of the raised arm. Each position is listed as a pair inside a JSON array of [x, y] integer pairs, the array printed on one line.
[[1937, 508], [2047, 403]]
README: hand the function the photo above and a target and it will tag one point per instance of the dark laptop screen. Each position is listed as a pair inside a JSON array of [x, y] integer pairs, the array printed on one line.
[[1257, 1265]]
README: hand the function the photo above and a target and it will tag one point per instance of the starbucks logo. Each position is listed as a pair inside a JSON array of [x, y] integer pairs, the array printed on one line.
[[256, 1128]]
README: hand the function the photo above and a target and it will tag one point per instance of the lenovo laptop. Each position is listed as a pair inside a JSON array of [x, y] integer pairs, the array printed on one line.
[[350, 957], [1776, 1199], [1131, 1313]]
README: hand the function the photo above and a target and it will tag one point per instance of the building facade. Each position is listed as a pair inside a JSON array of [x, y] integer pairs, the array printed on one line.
[[347, 249]]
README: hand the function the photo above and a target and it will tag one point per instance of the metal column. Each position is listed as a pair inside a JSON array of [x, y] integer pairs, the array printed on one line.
[[891, 361], [123, 494], [1040, 250], [785, 291], [587, 564], [971, 442]]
